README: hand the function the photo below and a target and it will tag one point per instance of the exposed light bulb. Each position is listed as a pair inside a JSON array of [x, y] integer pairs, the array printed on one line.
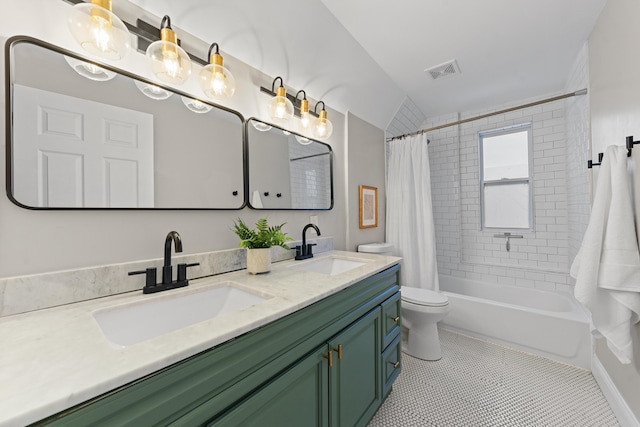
[[280, 108], [101, 35], [305, 120], [98, 30], [323, 128], [305, 116], [216, 81], [169, 62], [172, 66]]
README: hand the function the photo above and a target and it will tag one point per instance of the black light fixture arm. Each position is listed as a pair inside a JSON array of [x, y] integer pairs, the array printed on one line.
[[315, 109], [303, 93], [166, 22], [273, 85], [211, 49]]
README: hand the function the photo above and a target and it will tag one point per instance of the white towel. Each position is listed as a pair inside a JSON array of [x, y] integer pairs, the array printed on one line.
[[607, 267], [256, 201]]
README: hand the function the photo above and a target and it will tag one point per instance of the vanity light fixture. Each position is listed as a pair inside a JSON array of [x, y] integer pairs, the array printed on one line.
[[305, 115], [152, 91], [89, 70], [323, 128], [217, 82], [169, 62], [98, 30], [196, 105], [280, 109]]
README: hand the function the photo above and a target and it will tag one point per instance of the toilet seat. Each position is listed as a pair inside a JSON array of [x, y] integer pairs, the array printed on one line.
[[423, 297]]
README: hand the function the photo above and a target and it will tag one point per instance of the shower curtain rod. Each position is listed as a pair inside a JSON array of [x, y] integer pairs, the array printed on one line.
[[471, 119]]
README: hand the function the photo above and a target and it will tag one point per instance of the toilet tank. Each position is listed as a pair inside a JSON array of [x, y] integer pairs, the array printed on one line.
[[377, 248]]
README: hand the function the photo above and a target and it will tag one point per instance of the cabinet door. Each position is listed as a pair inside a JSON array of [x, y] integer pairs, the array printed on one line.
[[391, 365], [298, 397], [355, 378], [391, 319]]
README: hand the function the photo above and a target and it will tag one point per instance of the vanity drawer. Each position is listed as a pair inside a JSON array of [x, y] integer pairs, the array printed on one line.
[[391, 364], [391, 319]]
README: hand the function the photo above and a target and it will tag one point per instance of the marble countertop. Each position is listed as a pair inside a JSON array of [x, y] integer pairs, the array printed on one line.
[[55, 358]]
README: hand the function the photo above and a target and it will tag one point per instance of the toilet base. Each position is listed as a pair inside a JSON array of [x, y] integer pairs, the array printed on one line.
[[426, 345]]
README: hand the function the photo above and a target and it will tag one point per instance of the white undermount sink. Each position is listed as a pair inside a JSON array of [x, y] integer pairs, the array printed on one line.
[[135, 322], [330, 265]]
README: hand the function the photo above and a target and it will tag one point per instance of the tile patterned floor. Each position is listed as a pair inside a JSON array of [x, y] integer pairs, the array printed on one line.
[[477, 383]]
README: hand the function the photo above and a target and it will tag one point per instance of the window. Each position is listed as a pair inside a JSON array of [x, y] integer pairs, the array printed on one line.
[[505, 178]]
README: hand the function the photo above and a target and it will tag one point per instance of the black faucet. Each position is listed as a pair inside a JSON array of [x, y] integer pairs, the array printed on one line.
[[167, 270], [305, 251]]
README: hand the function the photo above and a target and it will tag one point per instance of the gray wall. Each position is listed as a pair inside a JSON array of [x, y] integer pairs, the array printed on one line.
[[366, 166], [615, 113]]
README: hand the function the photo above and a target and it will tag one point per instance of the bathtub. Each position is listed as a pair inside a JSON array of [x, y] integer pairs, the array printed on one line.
[[547, 324]]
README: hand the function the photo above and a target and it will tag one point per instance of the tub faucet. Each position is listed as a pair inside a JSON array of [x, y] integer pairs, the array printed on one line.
[[167, 270], [305, 251]]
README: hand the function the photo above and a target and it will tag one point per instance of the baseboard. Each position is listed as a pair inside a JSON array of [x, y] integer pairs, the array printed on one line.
[[619, 406]]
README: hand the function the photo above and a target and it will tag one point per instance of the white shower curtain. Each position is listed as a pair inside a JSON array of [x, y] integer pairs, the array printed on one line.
[[410, 225]]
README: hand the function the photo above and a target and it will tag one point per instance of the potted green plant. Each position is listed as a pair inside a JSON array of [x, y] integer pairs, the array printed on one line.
[[258, 243]]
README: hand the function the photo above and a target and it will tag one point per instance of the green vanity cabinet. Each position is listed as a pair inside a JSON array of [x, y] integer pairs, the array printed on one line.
[[338, 384], [355, 377], [298, 397], [277, 374]]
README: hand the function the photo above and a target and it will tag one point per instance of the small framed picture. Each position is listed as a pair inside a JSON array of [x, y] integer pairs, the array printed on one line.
[[368, 206]]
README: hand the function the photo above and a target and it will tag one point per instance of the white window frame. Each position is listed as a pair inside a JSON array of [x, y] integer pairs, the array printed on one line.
[[506, 181]]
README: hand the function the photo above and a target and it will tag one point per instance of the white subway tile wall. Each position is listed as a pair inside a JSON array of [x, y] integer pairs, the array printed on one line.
[[562, 188], [541, 258], [309, 176]]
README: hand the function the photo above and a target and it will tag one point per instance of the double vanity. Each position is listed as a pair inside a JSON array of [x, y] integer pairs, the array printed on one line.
[[313, 342]]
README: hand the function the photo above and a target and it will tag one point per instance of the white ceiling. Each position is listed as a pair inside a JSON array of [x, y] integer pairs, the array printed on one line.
[[365, 56]]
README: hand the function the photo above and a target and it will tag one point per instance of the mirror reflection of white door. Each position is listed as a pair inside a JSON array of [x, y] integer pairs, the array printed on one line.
[[70, 152]]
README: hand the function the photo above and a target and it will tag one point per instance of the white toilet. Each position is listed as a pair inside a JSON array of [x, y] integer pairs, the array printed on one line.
[[422, 309]]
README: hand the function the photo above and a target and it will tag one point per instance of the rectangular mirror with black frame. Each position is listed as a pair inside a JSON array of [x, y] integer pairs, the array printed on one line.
[[83, 136], [287, 170]]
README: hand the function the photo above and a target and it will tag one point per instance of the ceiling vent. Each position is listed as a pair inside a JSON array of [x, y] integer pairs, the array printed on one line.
[[449, 68]]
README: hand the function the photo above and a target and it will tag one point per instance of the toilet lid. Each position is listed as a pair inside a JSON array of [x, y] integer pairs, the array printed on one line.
[[423, 297]]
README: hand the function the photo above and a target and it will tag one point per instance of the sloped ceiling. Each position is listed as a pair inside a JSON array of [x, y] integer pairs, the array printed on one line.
[[366, 56]]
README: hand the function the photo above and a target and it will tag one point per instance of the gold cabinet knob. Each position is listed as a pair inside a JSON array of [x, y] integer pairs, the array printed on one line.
[[395, 319], [395, 364]]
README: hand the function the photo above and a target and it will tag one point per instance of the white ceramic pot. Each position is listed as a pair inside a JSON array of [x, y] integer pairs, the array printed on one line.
[[259, 260]]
